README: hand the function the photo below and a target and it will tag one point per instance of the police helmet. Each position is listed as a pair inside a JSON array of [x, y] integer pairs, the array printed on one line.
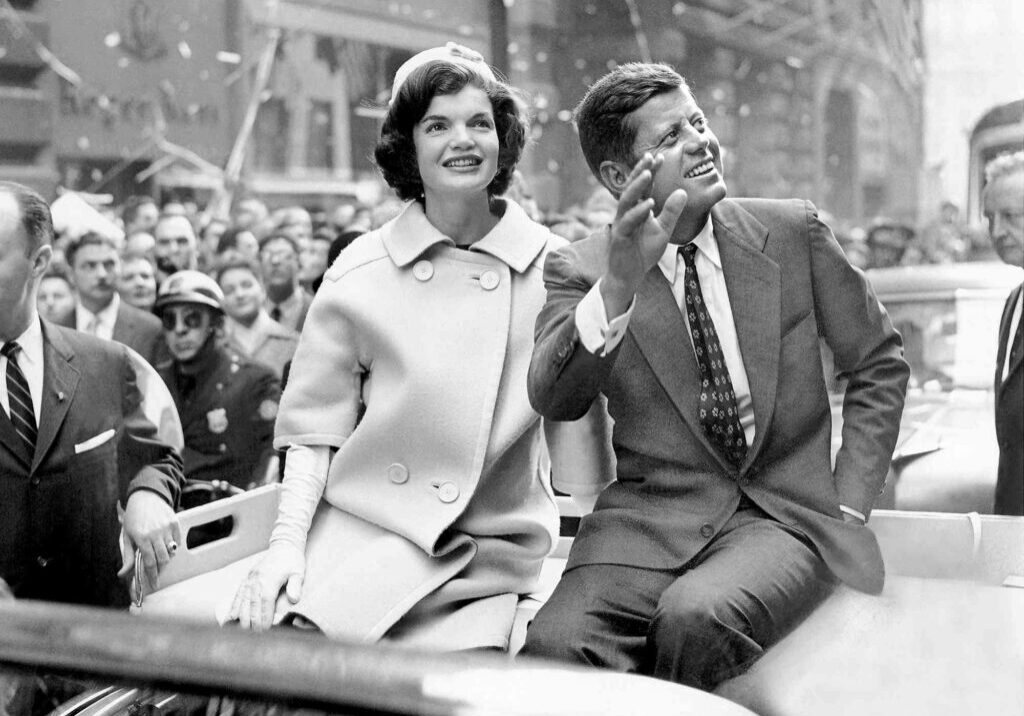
[[190, 287]]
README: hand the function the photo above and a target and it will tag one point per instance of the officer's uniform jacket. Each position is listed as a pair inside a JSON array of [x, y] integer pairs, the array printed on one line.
[[227, 418]]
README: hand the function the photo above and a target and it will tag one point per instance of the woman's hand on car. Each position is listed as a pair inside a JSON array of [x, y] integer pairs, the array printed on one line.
[[282, 567]]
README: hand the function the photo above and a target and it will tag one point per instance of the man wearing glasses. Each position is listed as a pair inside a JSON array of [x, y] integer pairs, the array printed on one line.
[[287, 303], [227, 404]]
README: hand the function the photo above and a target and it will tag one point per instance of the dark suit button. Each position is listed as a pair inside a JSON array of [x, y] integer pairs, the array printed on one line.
[[42, 561], [706, 531], [35, 482]]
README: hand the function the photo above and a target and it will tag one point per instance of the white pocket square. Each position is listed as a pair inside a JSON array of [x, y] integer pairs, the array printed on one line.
[[94, 441]]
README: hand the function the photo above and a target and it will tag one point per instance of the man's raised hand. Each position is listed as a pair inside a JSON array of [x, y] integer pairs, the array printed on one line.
[[638, 237]]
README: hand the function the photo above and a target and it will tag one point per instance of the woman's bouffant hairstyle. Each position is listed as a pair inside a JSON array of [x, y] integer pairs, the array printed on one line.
[[396, 153]]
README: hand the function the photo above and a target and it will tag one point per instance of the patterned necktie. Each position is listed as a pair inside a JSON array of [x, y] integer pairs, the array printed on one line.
[[718, 412], [19, 398]]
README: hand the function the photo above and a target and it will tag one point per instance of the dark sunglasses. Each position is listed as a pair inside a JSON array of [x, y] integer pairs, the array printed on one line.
[[191, 317]]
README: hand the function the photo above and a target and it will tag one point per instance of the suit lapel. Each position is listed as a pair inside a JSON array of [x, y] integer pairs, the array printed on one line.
[[659, 329], [124, 326], [60, 380], [754, 285]]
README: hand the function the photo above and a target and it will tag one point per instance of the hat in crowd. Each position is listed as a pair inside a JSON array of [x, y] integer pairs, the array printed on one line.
[[451, 52], [189, 287]]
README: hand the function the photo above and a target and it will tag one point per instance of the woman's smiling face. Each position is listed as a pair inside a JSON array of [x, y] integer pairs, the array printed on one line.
[[457, 143]]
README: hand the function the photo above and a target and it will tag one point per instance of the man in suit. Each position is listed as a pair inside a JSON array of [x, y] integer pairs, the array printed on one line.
[[1004, 209], [74, 441], [286, 302], [95, 269], [699, 318]]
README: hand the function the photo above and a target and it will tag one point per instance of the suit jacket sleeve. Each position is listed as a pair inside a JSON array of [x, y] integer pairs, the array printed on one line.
[[565, 377], [868, 352], [145, 462]]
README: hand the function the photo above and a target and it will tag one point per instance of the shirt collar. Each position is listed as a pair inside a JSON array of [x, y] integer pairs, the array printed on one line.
[[705, 243], [31, 342], [516, 240], [106, 316]]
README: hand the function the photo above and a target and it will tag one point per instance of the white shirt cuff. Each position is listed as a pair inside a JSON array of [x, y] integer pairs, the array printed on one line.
[[853, 513], [597, 334]]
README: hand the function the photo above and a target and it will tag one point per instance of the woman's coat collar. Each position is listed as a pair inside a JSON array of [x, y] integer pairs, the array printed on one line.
[[516, 240]]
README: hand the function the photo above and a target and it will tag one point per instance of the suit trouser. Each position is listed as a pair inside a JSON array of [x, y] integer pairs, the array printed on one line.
[[699, 625]]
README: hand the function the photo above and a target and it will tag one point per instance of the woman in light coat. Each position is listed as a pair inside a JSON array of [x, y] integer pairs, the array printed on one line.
[[416, 506]]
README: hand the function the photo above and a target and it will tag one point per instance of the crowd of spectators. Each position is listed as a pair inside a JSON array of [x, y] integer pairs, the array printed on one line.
[[262, 268], [269, 263]]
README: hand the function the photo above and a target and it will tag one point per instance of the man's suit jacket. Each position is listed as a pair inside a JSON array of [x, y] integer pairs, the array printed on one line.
[[788, 284], [1009, 420], [142, 332], [137, 329], [58, 507]]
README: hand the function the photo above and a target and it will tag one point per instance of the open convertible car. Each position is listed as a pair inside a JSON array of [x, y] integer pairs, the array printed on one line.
[[946, 636]]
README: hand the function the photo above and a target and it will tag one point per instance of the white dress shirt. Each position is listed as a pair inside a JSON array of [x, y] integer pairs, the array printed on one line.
[[30, 360], [598, 335], [99, 324]]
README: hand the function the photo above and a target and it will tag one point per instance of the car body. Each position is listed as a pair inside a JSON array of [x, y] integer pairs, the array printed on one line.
[[946, 456]]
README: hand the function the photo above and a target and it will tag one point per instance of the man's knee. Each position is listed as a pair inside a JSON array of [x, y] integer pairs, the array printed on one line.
[[554, 636], [700, 636], [689, 613]]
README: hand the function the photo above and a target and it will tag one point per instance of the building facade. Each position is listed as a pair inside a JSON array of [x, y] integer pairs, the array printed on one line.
[[811, 98]]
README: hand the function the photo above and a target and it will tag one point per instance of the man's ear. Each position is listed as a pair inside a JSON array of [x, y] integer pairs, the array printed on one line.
[[614, 176], [41, 260]]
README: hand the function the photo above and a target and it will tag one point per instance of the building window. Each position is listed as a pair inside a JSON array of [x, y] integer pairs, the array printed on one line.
[[271, 135], [320, 137]]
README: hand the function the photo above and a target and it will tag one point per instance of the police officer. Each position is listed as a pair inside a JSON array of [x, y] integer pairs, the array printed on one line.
[[227, 404]]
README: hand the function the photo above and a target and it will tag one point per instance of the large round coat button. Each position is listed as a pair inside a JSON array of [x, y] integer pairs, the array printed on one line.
[[489, 280], [398, 473], [448, 492], [423, 270], [706, 531]]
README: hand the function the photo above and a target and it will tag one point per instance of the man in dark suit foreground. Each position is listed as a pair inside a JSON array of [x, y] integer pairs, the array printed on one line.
[[73, 439], [699, 318], [1004, 209]]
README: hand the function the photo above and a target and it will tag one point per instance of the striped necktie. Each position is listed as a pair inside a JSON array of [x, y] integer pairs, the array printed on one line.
[[19, 398]]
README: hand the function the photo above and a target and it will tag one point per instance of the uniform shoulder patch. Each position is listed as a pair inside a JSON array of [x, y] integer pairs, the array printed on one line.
[[268, 409]]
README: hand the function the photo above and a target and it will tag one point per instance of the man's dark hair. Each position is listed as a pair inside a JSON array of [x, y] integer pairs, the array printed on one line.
[[58, 269], [89, 238], [228, 241], [36, 219], [396, 153], [234, 260], [602, 116], [282, 237], [130, 209]]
